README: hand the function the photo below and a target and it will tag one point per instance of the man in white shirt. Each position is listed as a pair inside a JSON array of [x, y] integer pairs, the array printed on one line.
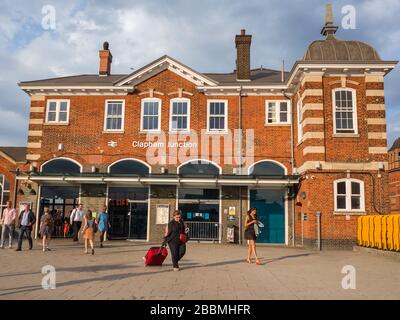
[[76, 220], [8, 221]]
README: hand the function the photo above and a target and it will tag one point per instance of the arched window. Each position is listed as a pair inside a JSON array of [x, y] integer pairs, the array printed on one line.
[[61, 166], [199, 167], [129, 166], [349, 195], [344, 110], [4, 191], [267, 168]]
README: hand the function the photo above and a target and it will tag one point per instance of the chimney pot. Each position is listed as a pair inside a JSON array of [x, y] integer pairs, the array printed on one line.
[[105, 60], [243, 32]]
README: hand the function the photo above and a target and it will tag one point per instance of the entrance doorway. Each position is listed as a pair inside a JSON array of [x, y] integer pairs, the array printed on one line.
[[270, 206], [60, 201], [128, 209], [200, 209]]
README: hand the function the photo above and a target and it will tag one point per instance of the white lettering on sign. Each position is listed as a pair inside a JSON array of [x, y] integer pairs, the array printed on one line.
[[156, 144]]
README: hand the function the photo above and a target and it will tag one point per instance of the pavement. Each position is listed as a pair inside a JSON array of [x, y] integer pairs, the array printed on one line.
[[208, 271]]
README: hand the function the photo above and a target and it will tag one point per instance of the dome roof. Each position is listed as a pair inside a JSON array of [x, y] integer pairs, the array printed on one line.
[[332, 49]]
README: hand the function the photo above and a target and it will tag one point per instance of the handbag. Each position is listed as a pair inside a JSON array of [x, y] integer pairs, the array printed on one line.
[[183, 237]]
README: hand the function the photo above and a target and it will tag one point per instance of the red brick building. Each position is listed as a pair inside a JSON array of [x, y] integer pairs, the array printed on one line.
[[311, 156], [394, 176]]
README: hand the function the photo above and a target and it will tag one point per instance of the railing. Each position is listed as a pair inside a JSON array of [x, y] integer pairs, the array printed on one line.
[[379, 231], [206, 231]]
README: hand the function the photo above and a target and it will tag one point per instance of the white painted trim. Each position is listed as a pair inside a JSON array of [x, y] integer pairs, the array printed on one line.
[[159, 101], [299, 121], [187, 130], [278, 111], [267, 160], [61, 158], [363, 166], [202, 160], [58, 102], [348, 195], [377, 150], [313, 149], [354, 98], [175, 65], [106, 115], [209, 101], [132, 159]]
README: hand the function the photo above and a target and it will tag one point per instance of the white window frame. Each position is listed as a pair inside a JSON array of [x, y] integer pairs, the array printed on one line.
[[58, 103], [122, 115], [299, 121], [355, 119], [277, 113], [225, 130], [170, 114], [158, 100], [348, 195]]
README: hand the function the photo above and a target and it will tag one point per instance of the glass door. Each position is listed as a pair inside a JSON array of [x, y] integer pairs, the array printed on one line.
[[137, 220]]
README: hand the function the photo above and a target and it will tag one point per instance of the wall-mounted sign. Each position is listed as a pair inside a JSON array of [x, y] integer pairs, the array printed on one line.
[[162, 214], [160, 144], [232, 211]]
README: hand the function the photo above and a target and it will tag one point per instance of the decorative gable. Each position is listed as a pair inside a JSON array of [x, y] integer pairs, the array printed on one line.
[[165, 63]]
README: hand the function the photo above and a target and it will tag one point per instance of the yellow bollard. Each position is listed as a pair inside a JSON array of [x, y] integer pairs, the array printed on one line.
[[384, 232], [378, 232], [371, 243], [390, 242], [396, 232], [359, 231], [365, 231]]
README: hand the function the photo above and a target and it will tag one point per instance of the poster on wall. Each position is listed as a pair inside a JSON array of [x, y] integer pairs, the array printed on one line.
[[162, 214], [232, 211]]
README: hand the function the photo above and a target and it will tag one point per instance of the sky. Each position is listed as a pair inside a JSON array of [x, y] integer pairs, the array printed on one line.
[[198, 33]]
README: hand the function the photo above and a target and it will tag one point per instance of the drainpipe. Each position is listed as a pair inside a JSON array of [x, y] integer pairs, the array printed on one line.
[[292, 163], [318, 216], [240, 162]]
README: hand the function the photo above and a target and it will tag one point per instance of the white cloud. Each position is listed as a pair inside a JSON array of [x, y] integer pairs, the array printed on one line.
[[200, 34]]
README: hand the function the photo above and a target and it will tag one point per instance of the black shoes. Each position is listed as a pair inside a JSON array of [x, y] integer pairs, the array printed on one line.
[[18, 249], [92, 252]]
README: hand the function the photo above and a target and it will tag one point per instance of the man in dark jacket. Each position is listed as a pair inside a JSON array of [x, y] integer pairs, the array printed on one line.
[[26, 220]]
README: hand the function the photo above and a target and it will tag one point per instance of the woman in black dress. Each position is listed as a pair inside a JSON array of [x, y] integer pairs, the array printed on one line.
[[174, 229], [250, 234]]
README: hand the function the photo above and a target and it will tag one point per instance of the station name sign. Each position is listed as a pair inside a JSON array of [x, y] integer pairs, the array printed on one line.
[[160, 144]]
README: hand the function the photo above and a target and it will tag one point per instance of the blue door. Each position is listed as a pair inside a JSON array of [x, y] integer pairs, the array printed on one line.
[[271, 212]]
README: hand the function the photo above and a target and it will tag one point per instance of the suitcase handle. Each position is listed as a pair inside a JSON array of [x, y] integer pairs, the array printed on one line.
[[163, 245]]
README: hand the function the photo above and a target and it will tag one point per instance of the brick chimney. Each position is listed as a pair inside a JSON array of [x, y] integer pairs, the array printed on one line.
[[243, 42], [105, 60]]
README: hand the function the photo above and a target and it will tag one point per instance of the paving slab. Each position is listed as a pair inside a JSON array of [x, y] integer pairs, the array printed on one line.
[[208, 271]]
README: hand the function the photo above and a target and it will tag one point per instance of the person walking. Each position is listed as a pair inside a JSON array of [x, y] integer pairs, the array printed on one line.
[[8, 222], [250, 234], [76, 221], [46, 228], [103, 224], [26, 220], [88, 230], [176, 237]]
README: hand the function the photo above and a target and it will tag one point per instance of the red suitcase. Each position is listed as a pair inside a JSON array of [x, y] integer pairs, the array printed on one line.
[[156, 256]]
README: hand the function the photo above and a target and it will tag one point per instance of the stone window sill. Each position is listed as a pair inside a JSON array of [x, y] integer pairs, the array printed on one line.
[[346, 135], [349, 213]]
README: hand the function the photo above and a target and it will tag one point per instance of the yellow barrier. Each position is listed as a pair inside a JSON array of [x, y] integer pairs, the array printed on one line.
[[379, 231]]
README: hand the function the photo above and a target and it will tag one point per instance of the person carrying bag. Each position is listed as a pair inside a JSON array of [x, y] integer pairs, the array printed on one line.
[[176, 237]]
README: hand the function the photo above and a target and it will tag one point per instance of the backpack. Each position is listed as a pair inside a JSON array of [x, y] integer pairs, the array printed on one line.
[[94, 226]]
